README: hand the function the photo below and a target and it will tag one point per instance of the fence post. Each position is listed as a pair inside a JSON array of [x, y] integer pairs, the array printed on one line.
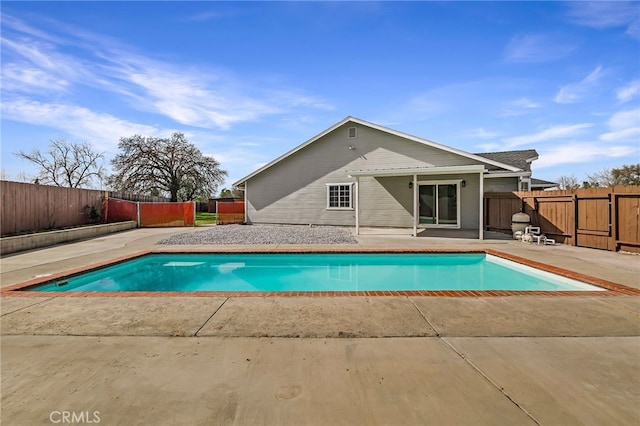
[[613, 220], [138, 213], [106, 207], [574, 237]]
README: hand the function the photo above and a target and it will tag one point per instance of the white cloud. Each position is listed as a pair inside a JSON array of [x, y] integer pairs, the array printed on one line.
[[238, 162], [622, 140], [624, 126], [525, 103], [9, 22], [189, 100], [628, 92], [490, 147], [101, 130], [188, 95], [633, 30], [606, 14], [537, 48], [200, 98], [491, 95], [552, 134], [425, 107], [484, 134], [26, 79], [580, 152], [520, 106], [204, 16], [574, 92]]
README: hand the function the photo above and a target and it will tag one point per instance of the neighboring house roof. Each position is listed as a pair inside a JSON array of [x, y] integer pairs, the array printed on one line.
[[483, 159], [539, 183], [521, 158]]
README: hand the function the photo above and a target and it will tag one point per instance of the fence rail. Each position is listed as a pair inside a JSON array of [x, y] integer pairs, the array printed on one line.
[[602, 218]]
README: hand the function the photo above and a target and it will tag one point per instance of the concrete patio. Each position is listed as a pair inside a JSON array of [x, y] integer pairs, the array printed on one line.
[[318, 361]]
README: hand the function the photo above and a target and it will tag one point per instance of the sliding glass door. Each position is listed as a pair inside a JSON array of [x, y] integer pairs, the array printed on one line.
[[439, 203]]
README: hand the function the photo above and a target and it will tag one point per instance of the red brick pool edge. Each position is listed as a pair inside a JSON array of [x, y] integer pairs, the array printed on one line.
[[21, 289]]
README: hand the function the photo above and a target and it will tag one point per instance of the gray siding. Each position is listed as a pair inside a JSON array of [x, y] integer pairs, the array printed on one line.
[[293, 190], [507, 184], [388, 201]]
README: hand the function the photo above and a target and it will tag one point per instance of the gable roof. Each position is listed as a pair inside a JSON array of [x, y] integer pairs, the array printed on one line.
[[386, 130], [520, 158]]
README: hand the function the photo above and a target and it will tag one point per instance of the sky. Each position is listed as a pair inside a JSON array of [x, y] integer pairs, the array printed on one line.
[[248, 81]]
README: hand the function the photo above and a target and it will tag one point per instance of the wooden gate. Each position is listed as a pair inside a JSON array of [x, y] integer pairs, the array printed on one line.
[[602, 218], [593, 227], [626, 227]]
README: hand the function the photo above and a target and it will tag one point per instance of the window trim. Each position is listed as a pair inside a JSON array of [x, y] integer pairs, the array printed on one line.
[[350, 185]]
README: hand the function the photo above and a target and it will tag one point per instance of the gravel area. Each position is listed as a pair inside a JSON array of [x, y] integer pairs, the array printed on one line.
[[265, 234]]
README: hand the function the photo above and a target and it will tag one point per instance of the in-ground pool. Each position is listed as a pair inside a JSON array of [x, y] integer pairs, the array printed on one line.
[[275, 272]]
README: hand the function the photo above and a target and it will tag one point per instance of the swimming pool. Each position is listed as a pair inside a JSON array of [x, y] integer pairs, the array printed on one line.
[[314, 272]]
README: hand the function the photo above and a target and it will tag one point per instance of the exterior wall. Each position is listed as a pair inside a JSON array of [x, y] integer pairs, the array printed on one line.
[[293, 191], [469, 198], [501, 184], [388, 201]]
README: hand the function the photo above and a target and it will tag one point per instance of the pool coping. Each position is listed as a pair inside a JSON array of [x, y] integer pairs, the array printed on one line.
[[614, 289]]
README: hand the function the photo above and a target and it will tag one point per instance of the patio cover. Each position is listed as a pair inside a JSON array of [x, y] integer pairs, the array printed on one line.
[[414, 172]]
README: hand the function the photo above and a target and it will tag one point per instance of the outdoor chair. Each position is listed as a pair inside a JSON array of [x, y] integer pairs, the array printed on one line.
[[536, 236]]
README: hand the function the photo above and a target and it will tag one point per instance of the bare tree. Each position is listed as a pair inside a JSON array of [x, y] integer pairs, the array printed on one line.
[[624, 175], [24, 177], [165, 165], [568, 182], [66, 164], [602, 177]]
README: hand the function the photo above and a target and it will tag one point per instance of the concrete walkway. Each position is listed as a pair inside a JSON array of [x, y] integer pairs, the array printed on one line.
[[318, 361]]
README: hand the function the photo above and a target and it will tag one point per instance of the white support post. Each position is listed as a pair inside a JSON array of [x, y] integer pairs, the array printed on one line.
[[416, 207], [138, 213], [356, 198], [481, 214], [246, 204]]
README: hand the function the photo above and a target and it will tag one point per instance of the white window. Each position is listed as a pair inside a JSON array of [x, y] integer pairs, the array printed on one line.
[[352, 133], [339, 196], [525, 184], [439, 204]]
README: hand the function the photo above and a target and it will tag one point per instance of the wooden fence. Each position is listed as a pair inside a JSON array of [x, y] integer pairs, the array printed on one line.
[[150, 214], [229, 212], [602, 218], [213, 203], [132, 196], [27, 207]]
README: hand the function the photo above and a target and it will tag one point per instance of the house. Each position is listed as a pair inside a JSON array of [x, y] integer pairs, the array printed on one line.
[[358, 173], [542, 185]]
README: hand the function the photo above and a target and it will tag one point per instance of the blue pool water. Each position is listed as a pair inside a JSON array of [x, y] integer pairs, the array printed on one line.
[[314, 272]]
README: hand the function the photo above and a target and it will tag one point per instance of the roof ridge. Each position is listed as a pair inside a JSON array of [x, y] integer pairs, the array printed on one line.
[[501, 152]]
